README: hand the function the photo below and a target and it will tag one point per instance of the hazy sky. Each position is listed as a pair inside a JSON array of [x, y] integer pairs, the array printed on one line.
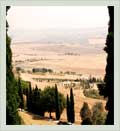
[[26, 18], [57, 17]]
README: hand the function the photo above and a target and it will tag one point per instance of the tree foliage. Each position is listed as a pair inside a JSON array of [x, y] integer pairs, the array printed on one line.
[[49, 100], [36, 101], [40, 102], [12, 98], [72, 112], [20, 93], [68, 108], [98, 115], [85, 112], [29, 97], [86, 121], [92, 93], [57, 103], [108, 88]]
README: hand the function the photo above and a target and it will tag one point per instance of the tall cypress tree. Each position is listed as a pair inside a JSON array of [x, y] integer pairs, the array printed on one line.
[[35, 100], [109, 77], [57, 103], [29, 99], [20, 93], [68, 109], [32, 101], [12, 99], [38, 102], [26, 93], [72, 112], [108, 89]]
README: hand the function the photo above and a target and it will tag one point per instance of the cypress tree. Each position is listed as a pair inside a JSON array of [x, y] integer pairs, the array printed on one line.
[[57, 103], [72, 112], [68, 109], [109, 77], [108, 89], [29, 99], [35, 100], [32, 101], [26, 93], [85, 114], [20, 93], [40, 103], [12, 99]]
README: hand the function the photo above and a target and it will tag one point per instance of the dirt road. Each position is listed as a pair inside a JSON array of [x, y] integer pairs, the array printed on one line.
[[32, 119]]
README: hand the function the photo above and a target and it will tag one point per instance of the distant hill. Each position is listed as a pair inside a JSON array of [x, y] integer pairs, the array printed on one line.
[[81, 35]]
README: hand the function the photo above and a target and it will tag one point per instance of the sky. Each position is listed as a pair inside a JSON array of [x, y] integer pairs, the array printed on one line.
[[62, 18]]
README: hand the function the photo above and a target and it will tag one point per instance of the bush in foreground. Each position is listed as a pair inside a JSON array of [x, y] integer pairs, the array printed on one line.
[[98, 115]]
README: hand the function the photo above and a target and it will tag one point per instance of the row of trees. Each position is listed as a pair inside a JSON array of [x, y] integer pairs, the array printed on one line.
[[48, 100], [39, 102], [42, 70]]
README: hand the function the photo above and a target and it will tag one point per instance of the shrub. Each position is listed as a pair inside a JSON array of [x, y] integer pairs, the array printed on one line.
[[98, 115], [85, 111], [87, 121], [92, 93]]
